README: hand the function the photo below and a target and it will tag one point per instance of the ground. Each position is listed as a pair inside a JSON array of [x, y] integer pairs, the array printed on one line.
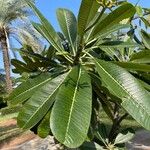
[[12, 138], [22, 140]]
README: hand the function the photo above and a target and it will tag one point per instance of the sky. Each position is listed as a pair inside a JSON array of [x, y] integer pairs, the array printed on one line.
[[49, 7]]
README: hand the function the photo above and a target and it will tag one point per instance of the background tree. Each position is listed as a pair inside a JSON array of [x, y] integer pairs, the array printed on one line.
[[13, 12]]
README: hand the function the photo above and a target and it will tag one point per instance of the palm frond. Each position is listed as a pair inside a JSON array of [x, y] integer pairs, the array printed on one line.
[[12, 10]]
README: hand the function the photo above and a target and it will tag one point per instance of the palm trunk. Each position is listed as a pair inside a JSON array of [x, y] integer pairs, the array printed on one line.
[[4, 45]]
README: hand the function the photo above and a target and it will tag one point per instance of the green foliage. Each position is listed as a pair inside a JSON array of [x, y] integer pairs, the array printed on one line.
[[91, 68], [74, 93], [123, 137], [26, 90], [68, 24], [44, 127], [120, 82], [146, 39], [41, 101], [87, 12], [47, 29], [124, 11]]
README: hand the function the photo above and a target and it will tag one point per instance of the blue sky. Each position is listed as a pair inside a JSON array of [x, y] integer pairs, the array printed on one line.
[[48, 8]]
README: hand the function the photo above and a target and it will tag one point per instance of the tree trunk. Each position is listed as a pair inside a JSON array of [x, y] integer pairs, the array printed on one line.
[[4, 45]]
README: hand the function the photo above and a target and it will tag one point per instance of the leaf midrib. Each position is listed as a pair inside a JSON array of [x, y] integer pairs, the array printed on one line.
[[44, 25], [33, 87], [123, 89], [71, 42], [114, 21], [44, 102], [71, 108], [52, 41]]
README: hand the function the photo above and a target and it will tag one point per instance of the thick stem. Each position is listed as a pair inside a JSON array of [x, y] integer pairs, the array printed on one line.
[[116, 124], [77, 57], [6, 60]]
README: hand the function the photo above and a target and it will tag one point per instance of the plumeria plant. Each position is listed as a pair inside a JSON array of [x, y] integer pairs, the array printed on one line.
[[90, 69]]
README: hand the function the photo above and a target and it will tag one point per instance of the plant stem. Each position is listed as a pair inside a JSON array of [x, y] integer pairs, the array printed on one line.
[[77, 57], [116, 124], [105, 103]]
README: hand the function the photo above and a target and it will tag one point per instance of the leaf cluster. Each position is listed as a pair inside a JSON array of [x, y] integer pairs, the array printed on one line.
[[90, 66]]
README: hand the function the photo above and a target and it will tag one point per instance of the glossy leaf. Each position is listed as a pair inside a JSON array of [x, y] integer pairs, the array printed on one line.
[[146, 22], [87, 12], [50, 52], [91, 146], [101, 132], [141, 57], [44, 128], [20, 66], [118, 44], [113, 28], [68, 24], [127, 88], [124, 137], [145, 85], [134, 66], [139, 11], [145, 38], [27, 89], [38, 105], [125, 11], [46, 29], [71, 113]]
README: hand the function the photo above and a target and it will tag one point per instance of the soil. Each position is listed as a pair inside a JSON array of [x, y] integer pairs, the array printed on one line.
[[19, 139], [26, 140], [7, 123], [12, 144]]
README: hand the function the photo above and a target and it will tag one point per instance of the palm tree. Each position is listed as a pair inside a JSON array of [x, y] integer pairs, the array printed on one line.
[[11, 11]]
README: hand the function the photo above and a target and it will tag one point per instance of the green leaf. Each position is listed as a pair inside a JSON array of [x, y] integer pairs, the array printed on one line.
[[144, 60], [44, 128], [118, 44], [110, 51], [145, 38], [20, 66], [50, 52], [127, 88], [91, 146], [101, 132], [124, 137], [88, 10], [112, 29], [68, 24], [139, 11], [141, 57], [71, 113], [40, 102], [46, 28], [27, 89], [145, 85], [147, 24], [125, 11], [134, 66]]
